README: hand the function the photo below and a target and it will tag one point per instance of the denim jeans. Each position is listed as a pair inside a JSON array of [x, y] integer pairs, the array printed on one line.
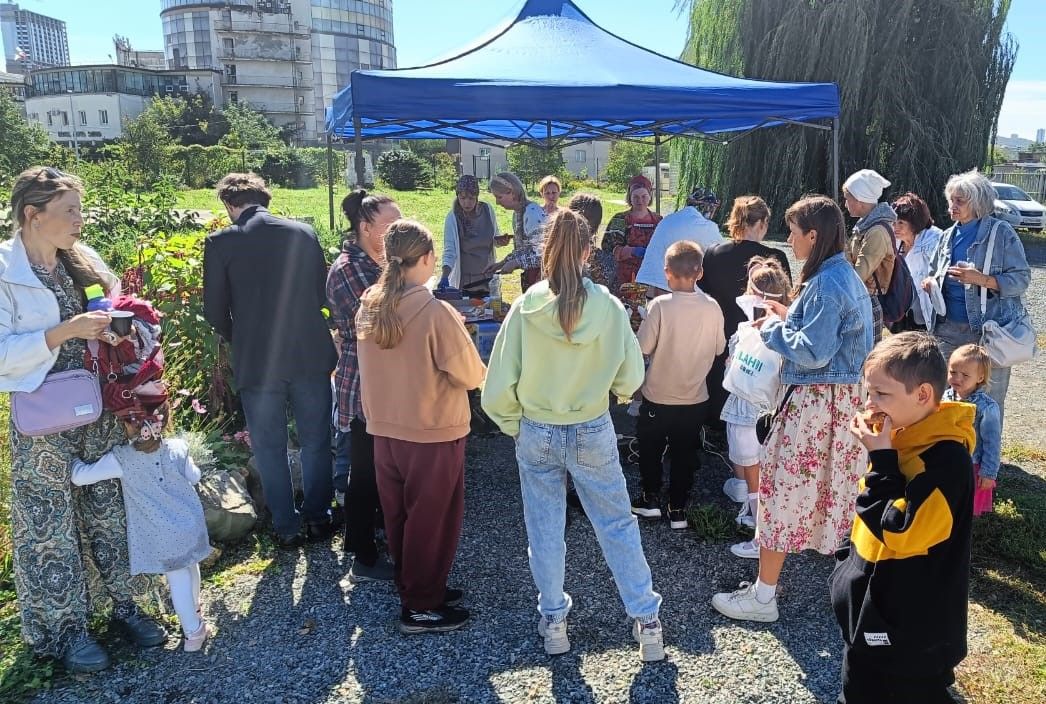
[[546, 454], [342, 453], [266, 411]]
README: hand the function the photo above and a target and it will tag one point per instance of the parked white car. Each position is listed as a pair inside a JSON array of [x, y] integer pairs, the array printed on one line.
[[1018, 208]]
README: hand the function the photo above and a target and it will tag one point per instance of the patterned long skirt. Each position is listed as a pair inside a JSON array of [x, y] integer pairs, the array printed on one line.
[[69, 543], [810, 470]]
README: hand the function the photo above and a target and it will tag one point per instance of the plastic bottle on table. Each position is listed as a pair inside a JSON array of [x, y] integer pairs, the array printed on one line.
[[496, 305]]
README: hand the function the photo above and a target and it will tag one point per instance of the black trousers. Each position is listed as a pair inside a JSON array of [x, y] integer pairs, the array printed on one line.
[[678, 427], [867, 681], [362, 505]]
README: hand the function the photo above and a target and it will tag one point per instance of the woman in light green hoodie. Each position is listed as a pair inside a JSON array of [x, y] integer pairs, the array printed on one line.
[[565, 345]]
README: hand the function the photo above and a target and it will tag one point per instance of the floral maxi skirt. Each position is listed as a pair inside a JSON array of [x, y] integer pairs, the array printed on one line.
[[811, 466]]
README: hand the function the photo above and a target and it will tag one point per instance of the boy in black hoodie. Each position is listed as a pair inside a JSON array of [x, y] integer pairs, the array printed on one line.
[[900, 589]]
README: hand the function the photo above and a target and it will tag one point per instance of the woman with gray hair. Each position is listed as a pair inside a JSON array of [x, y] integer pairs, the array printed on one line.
[[528, 232], [957, 268]]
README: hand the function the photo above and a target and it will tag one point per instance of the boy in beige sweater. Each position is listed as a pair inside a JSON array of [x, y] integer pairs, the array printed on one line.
[[682, 334]]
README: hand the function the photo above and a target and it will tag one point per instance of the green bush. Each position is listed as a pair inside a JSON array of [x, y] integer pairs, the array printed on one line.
[[404, 170]]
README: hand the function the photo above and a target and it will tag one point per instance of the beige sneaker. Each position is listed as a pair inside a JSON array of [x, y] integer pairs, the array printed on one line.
[[555, 635], [194, 641], [651, 640], [743, 606]]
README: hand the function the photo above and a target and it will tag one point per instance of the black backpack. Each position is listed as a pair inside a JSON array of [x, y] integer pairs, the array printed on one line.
[[897, 300]]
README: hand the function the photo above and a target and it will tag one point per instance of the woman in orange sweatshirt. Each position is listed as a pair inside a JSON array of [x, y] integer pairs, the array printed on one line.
[[417, 362]]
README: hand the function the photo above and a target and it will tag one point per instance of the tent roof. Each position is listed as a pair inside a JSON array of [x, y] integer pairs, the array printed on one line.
[[553, 73]]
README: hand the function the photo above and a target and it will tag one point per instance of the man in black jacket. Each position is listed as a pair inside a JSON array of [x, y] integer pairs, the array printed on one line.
[[264, 282]]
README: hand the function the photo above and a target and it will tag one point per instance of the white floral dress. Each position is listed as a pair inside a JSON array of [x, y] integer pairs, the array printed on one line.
[[810, 470]]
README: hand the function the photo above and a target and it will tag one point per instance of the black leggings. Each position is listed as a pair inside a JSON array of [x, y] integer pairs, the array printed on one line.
[[362, 505]]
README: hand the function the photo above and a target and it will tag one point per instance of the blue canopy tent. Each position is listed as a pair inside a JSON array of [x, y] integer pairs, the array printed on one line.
[[551, 77]]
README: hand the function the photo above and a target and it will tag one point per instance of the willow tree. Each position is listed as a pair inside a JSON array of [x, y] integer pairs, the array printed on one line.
[[921, 83]]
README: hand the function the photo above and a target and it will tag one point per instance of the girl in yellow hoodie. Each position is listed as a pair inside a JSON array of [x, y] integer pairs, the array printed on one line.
[[565, 345]]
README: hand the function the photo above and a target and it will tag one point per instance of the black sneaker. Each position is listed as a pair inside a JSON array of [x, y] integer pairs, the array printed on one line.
[[646, 506], [677, 518], [452, 597], [446, 618]]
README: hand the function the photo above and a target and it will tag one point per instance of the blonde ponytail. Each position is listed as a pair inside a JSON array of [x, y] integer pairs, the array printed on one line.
[[565, 244], [406, 242]]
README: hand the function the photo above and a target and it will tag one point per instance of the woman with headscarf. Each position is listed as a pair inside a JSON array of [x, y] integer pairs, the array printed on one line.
[[528, 220], [470, 233], [629, 232], [871, 247]]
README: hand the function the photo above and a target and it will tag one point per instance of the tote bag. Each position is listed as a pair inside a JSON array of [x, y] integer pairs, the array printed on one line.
[[754, 373]]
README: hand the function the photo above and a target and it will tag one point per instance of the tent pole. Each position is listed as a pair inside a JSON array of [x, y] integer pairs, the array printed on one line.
[[835, 158], [357, 128], [657, 173], [330, 180]]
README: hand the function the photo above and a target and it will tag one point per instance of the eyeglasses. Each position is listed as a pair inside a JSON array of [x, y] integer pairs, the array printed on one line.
[[51, 172]]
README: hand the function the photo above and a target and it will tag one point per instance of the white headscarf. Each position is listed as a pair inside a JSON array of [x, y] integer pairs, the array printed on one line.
[[866, 186]]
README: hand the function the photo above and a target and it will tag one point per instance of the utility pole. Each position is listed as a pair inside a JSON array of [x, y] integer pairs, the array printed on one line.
[[72, 122]]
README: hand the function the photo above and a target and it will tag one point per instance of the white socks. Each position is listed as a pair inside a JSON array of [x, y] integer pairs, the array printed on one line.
[[764, 593]]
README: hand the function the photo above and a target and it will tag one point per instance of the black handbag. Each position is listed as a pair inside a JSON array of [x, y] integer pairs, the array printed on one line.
[[766, 421]]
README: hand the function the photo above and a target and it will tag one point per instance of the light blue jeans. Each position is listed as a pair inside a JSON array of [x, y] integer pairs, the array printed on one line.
[[588, 453]]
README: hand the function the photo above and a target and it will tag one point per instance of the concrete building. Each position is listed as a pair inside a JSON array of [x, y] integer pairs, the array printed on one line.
[[585, 160], [286, 58], [32, 40], [127, 55], [85, 104], [1040, 135]]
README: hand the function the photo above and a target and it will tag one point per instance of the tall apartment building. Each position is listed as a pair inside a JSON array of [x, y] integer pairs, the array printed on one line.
[[32, 40], [1040, 135], [286, 58]]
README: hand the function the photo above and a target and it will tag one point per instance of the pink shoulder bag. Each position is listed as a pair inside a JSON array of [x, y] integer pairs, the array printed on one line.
[[65, 400]]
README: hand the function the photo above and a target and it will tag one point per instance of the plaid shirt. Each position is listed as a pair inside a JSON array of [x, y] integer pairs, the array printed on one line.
[[353, 273]]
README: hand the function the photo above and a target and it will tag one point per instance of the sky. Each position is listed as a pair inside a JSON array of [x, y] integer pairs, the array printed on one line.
[[429, 29]]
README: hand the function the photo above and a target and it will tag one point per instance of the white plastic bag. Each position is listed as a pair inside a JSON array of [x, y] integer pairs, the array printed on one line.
[[754, 370]]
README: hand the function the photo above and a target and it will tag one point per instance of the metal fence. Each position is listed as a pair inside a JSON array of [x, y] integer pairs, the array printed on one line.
[[1031, 182]]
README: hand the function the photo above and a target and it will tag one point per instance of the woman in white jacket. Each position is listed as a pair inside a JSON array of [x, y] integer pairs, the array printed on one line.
[[918, 239], [470, 233], [43, 329]]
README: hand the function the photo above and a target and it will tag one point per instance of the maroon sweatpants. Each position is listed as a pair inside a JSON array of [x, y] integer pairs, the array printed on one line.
[[422, 490]]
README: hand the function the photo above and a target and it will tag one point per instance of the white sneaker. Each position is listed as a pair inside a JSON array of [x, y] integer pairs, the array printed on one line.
[[743, 606], [651, 640], [749, 549], [736, 489], [745, 517], [555, 635]]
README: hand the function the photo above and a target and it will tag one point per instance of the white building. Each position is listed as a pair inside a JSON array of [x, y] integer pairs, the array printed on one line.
[[32, 40], [585, 160], [286, 58], [127, 55], [85, 104], [1040, 135]]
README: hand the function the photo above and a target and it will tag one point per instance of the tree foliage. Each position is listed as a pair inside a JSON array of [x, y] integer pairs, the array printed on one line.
[[250, 129], [190, 120], [921, 83], [531, 164], [626, 160], [21, 144], [404, 170], [145, 148]]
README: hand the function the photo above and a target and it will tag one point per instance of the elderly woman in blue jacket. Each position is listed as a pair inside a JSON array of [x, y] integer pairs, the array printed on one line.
[[958, 268], [811, 465]]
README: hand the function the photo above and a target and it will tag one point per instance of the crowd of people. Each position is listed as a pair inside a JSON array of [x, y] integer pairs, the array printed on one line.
[[856, 453]]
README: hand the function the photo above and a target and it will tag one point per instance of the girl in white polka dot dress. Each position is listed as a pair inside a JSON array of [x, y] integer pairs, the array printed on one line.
[[166, 531]]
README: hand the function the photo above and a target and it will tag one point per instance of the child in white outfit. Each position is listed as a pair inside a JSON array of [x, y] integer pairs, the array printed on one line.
[[166, 531]]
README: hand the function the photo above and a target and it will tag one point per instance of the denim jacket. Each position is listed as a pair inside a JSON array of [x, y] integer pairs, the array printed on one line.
[[1009, 267], [828, 331], [988, 424]]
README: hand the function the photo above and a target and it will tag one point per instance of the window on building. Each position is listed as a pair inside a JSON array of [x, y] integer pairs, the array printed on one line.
[[65, 119], [579, 156], [484, 152], [83, 117], [234, 97], [229, 44], [103, 117]]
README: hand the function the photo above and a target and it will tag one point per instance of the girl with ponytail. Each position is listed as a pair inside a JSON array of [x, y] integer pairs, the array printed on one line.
[[551, 395], [417, 363], [356, 269]]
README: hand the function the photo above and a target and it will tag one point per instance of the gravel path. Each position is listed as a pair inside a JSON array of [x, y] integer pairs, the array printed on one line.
[[300, 633]]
